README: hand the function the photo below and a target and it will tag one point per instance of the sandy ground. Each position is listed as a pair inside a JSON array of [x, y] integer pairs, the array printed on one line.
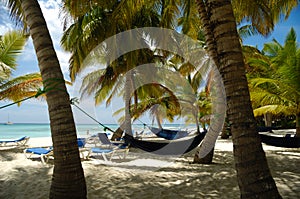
[[143, 175]]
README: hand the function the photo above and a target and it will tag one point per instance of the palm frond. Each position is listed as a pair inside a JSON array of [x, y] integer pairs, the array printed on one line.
[[21, 87], [282, 8], [246, 31], [12, 45], [274, 109], [16, 13]]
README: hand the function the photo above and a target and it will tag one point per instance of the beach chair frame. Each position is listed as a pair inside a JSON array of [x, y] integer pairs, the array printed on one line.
[[117, 146], [14, 142], [44, 153]]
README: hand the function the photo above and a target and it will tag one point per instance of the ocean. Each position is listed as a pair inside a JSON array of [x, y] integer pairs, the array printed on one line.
[[17, 130]]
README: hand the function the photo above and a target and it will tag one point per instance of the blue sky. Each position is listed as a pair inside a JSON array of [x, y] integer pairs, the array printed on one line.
[[280, 31], [35, 111]]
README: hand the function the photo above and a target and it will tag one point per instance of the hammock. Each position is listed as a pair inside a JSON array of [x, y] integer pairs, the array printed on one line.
[[283, 141], [168, 134], [265, 128], [175, 147]]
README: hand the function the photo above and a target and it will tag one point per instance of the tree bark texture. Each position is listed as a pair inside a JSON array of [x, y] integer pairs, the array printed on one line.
[[68, 178], [254, 177]]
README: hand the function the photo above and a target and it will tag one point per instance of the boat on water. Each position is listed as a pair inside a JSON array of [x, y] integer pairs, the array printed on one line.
[[8, 122]]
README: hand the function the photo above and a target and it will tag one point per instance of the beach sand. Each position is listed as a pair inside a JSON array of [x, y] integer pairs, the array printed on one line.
[[143, 175]]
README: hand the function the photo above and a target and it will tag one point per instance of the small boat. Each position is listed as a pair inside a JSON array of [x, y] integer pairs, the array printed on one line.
[[8, 122], [286, 141]]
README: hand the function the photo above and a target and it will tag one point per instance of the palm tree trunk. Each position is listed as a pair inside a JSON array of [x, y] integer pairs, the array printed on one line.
[[158, 119], [298, 124], [212, 51], [254, 177], [226, 130], [205, 160], [268, 119], [118, 133], [68, 178], [128, 129]]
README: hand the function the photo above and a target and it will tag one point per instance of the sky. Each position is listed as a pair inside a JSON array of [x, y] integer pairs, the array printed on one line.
[[35, 111]]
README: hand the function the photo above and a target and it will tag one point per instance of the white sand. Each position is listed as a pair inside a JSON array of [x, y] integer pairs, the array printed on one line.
[[146, 176]]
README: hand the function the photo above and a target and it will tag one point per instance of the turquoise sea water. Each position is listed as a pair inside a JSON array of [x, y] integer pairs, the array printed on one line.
[[43, 130]]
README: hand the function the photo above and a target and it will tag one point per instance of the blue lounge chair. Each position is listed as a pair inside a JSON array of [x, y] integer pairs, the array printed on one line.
[[84, 152], [111, 144], [48, 152], [110, 148], [41, 152], [18, 142], [103, 152]]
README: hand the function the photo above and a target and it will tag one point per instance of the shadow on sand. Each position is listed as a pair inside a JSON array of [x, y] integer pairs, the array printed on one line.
[[23, 178]]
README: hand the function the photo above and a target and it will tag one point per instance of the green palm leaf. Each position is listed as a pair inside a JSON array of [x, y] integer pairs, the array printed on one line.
[[274, 109], [11, 45], [21, 87], [277, 91]]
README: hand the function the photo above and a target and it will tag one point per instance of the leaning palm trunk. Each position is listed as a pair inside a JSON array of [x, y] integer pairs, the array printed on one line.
[[254, 178], [68, 178], [211, 48], [118, 132], [298, 123], [127, 99], [158, 119]]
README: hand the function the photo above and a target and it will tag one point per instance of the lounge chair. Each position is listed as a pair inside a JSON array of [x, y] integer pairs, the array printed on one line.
[[18, 142], [48, 152], [110, 148], [103, 152], [103, 138], [41, 152], [84, 152]]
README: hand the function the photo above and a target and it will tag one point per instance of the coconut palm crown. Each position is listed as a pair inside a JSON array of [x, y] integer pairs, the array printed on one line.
[[278, 90]]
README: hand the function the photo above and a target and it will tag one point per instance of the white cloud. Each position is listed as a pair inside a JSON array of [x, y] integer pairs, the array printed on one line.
[[63, 58], [5, 22], [51, 10], [28, 61]]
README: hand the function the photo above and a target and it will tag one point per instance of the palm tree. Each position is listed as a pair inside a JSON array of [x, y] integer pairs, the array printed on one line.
[[260, 17], [279, 91], [68, 178], [109, 19], [254, 177], [257, 65], [11, 45], [230, 29], [22, 87]]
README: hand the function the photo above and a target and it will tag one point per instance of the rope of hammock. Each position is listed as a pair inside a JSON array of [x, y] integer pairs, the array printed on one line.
[[49, 85], [73, 102], [144, 124], [38, 93]]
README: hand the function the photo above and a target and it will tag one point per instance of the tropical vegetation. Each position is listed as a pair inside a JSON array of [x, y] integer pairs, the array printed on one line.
[[274, 79], [216, 36], [68, 178], [94, 21], [15, 89]]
